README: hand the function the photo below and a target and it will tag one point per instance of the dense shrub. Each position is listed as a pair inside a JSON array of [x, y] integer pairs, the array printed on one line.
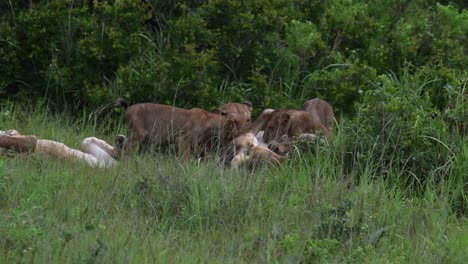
[[397, 126], [198, 53], [66, 51]]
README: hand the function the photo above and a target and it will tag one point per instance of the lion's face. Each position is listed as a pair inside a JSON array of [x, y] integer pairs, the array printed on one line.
[[240, 113]]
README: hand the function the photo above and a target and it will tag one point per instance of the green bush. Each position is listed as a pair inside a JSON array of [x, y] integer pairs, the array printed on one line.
[[397, 126], [197, 53], [66, 51]]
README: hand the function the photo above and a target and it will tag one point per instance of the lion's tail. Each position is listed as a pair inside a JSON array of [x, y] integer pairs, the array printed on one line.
[[120, 101]]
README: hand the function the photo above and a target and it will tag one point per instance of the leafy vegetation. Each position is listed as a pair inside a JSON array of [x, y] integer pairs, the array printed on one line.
[[195, 53]]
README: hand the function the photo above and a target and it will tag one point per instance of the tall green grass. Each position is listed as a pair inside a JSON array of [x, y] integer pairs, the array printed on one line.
[[319, 207]]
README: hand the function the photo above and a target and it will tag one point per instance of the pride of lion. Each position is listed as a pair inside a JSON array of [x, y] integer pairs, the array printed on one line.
[[195, 132]]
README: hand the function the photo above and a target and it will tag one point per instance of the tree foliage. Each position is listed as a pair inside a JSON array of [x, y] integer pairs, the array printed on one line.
[[198, 53]]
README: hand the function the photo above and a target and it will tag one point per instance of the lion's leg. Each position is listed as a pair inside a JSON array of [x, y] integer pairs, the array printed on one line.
[[61, 151], [257, 154], [185, 143], [239, 159], [10, 132], [136, 138], [100, 149], [120, 141], [265, 154], [328, 134], [18, 143]]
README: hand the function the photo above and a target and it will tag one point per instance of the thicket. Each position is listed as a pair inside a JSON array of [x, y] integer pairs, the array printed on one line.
[[197, 53]]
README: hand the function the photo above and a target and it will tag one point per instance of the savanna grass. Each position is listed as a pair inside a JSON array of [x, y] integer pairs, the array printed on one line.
[[318, 207]]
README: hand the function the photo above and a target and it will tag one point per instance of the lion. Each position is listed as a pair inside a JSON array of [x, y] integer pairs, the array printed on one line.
[[292, 123], [162, 125], [322, 110]]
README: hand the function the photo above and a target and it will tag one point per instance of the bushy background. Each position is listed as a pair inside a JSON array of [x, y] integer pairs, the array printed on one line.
[[197, 53]]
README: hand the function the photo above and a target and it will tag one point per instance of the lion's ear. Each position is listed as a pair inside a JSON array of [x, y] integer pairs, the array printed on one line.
[[218, 112], [248, 103], [284, 138], [284, 119]]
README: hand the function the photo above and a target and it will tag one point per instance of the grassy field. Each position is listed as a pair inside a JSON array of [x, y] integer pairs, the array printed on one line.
[[155, 208]]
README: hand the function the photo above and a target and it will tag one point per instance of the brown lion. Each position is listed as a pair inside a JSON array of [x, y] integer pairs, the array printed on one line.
[[161, 125]]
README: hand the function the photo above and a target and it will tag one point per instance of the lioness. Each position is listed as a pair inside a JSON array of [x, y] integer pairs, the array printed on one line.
[[93, 151], [272, 134], [239, 112], [249, 149], [240, 145], [322, 110], [285, 124], [292, 123], [160, 125]]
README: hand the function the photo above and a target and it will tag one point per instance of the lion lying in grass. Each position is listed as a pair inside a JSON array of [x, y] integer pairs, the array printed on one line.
[[93, 151]]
